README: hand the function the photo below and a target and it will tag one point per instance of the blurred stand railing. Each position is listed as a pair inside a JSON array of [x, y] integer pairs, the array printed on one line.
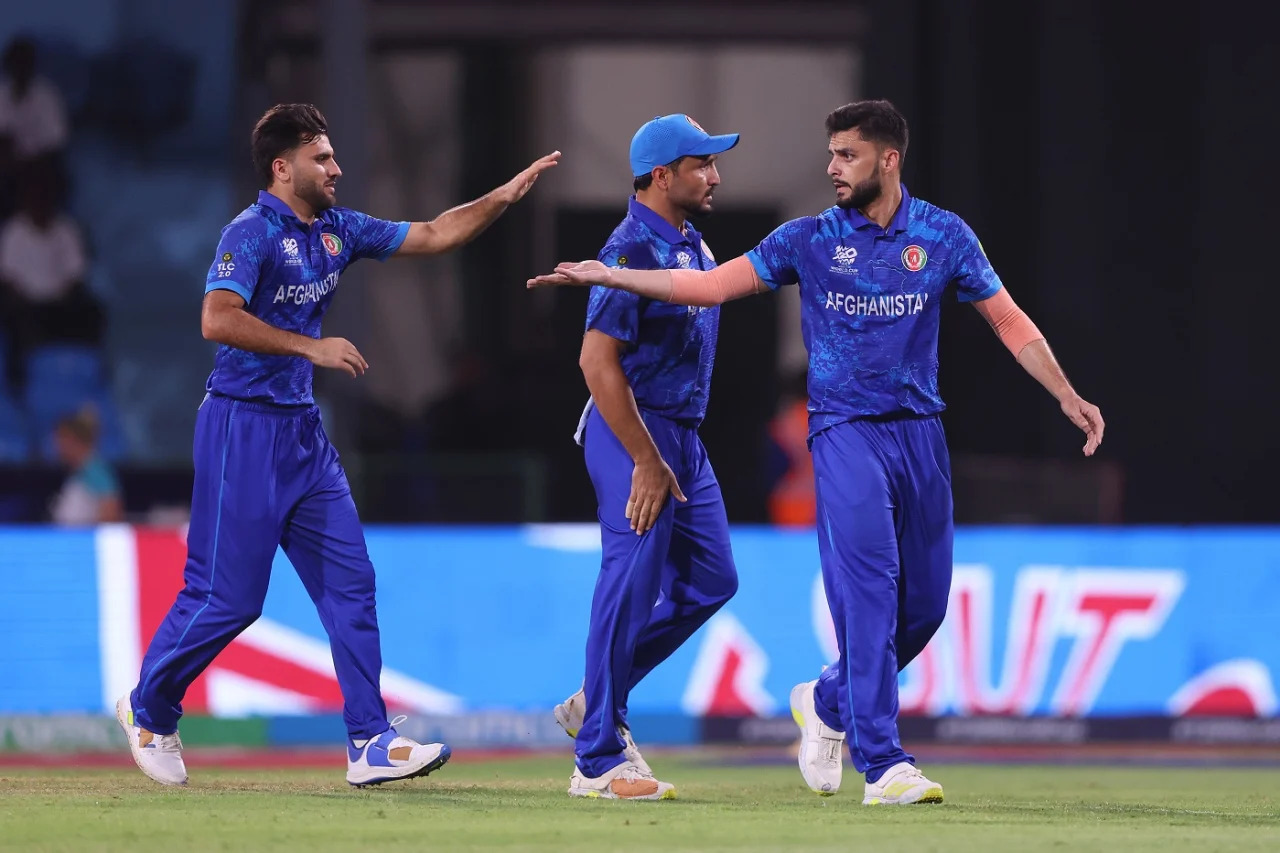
[[449, 488], [482, 488], [991, 489], [513, 487]]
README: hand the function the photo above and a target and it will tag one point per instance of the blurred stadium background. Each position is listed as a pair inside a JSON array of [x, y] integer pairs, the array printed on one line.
[[1116, 161]]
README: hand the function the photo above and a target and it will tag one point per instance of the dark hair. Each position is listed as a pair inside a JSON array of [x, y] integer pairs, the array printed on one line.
[[82, 425], [20, 56], [645, 181], [877, 121], [281, 129]]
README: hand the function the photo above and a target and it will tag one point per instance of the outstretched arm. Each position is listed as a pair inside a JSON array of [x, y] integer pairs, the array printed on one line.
[[735, 279], [462, 224], [1031, 349]]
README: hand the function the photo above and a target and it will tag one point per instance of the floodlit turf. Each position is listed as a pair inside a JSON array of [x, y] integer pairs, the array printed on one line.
[[521, 804]]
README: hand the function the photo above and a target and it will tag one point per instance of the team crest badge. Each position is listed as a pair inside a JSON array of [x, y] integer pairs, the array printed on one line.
[[914, 258], [333, 245], [694, 123]]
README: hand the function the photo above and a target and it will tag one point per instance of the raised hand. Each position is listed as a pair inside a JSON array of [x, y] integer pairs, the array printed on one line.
[[514, 189]]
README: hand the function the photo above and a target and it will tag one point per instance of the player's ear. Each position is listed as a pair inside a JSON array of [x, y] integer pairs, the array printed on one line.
[[891, 159]]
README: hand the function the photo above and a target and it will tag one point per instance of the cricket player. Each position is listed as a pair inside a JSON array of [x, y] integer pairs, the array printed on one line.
[[667, 566], [872, 272], [266, 475]]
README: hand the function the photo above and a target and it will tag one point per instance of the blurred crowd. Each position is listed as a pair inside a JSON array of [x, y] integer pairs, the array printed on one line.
[[54, 393]]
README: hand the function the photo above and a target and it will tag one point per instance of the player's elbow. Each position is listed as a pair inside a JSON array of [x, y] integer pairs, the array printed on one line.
[[590, 364], [600, 358], [598, 367], [213, 322], [209, 325]]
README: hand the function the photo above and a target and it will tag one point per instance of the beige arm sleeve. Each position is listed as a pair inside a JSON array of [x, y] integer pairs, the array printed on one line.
[[1009, 321], [734, 280]]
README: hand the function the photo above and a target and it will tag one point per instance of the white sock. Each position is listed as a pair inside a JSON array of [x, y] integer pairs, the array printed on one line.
[[359, 744]]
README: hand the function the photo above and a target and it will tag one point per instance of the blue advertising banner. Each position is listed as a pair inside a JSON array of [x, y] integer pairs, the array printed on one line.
[[1076, 622]]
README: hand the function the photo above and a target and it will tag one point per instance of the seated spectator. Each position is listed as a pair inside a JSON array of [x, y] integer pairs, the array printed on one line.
[[33, 118], [43, 296], [792, 499], [91, 494]]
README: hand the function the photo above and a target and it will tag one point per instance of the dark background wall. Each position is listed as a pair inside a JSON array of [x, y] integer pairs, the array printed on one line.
[[1118, 162], [1116, 159]]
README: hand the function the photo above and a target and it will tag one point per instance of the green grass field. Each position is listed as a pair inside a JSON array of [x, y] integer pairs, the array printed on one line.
[[521, 804]]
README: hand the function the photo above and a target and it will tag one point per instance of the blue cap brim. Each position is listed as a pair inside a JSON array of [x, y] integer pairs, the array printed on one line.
[[714, 145]]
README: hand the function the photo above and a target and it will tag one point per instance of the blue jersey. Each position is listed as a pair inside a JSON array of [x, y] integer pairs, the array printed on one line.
[[286, 273], [871, 301], [670, 348]]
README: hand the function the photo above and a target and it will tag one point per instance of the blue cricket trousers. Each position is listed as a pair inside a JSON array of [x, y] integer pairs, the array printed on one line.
[[885, 531], [653, 591], [266, 476]]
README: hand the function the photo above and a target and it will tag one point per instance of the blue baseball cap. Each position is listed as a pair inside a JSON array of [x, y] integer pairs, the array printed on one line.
[[668, 138]]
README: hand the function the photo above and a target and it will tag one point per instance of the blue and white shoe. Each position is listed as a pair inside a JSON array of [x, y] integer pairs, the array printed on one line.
[[389, 757]]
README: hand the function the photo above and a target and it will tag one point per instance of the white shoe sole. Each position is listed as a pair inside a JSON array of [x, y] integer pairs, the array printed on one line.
[[593, 794], [122, 717], [932, 794], [363, 775]]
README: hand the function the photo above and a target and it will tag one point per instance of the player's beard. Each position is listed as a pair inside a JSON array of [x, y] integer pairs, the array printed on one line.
[[862, 193], [315, 196], [695, 211], [692, 208]]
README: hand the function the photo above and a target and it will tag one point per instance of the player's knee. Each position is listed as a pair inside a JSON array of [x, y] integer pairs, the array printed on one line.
[[241, 612], [246, 614], [931, 620], [730, 586], [360, 595], [724, 588]]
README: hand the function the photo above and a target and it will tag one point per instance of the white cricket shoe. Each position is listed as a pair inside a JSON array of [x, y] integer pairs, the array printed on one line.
[[821, 762], [631, 752], [390, 756], [158, 756], [902, 785], [570, 714], [624, 782]]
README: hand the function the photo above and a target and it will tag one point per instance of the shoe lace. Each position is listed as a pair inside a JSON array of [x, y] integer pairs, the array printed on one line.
[[168, 743], [634, 773], [831, 750], [630, 750], [399, 739], [909, 774]]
